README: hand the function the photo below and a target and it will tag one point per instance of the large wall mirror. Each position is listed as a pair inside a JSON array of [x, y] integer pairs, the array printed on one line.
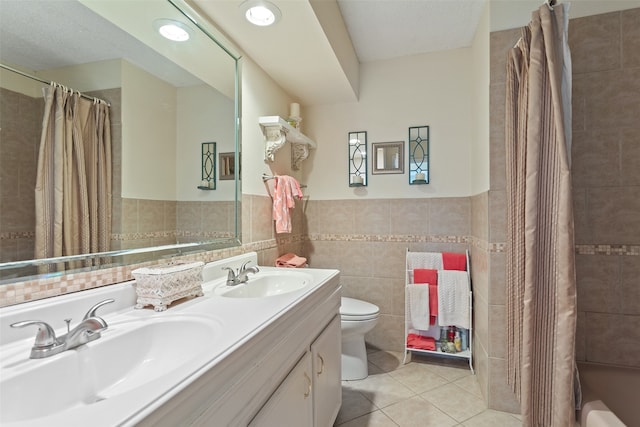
[[166, 98]]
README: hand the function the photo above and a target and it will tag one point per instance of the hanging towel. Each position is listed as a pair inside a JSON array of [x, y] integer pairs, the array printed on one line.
[[419, 306], [432, 260], [286, 190], [454, 261], [423, 343], [430, 277], [291, 260], [453, 298], [433, 303], [425, 275]]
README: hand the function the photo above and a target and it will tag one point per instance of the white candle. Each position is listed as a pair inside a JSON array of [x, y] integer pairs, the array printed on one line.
[[420, 176], [357, 179], [294, 110], [204, 183]]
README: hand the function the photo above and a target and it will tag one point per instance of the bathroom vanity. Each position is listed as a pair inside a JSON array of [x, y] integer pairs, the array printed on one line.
[[227, 358]]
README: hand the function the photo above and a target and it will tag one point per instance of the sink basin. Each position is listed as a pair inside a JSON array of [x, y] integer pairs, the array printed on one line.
[[128, 355], [267, 284]]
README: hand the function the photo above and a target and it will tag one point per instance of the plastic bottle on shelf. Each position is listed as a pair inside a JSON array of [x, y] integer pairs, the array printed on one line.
[[457, 341], [451, 334]]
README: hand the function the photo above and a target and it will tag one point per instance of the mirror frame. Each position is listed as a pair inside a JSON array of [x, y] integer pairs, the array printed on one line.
[[102, 260], [376, 146]]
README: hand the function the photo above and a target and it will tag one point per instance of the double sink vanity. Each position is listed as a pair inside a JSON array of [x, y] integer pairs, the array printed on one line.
[[261, 353]]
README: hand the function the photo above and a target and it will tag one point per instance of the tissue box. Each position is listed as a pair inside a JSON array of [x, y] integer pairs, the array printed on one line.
[[163, 284]]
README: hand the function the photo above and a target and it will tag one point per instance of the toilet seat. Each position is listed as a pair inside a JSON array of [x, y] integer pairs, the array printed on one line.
[[353, 309]]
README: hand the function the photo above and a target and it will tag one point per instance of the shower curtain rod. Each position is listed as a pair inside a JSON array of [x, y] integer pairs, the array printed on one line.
[[22, 73]]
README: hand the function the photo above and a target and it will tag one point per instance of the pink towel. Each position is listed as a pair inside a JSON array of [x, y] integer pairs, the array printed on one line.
[[454, 261], [291, 260], [286, 190]]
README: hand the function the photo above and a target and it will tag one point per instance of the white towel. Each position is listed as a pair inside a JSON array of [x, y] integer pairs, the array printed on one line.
[[418, 306], [453, 298], [430, 260]]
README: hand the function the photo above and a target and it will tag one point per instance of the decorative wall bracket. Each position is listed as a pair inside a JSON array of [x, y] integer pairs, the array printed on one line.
[[277, 132]]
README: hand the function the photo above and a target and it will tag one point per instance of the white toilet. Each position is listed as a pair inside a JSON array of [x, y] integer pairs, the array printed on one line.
[[357, 318]]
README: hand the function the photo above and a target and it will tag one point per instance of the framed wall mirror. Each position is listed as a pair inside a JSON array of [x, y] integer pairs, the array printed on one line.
[[388, 157], [164, 101]]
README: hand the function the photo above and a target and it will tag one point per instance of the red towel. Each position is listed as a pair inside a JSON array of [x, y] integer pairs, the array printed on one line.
[[423, 343], [424, 275], [433, 303], [454, 261]]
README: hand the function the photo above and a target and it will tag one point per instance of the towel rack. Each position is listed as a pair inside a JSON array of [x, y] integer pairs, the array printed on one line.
[[266, 178], [434, 331]]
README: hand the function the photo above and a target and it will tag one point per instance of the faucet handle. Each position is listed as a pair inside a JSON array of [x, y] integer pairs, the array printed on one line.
[[243, 267], [231, 275], [92, 310], [45, 337]]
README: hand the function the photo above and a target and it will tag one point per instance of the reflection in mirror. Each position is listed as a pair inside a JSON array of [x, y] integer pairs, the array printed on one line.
[[357, 159], [166, 100], [388, 157]]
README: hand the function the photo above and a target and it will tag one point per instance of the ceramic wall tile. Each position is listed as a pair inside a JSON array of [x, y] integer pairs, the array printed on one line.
[[630, 22], [595, 43]]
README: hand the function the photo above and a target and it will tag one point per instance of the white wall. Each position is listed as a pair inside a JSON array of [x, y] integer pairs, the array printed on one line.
[[261, 96], [148, 135], [434, 89], [481, 73], [204, 115]]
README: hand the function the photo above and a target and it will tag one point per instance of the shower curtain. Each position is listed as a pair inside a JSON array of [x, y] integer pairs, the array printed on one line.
[[73, 184], [541, 286]]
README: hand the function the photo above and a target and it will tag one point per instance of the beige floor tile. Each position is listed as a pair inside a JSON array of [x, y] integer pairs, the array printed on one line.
[[417, 412], [382, 389], [386, 360], [418, 377], [373, 419], [455, 402], [354, 405], [470, 384], [491, 418], [450, 372]]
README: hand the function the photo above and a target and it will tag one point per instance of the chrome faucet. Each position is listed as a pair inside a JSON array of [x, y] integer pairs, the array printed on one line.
[[46, 343], [242, 276]]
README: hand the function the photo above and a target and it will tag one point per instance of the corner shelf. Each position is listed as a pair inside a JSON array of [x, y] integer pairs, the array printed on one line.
[[277, 131]]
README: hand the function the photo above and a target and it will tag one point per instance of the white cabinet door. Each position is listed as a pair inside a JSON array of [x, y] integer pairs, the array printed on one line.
[[292, 402], [327, 385]]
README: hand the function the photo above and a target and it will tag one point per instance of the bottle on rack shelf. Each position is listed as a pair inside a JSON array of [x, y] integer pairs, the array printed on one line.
[[457, 342], [451, 334], [464, 335]]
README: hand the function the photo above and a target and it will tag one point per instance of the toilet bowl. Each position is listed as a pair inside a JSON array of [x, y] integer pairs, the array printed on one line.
[[357, 318]]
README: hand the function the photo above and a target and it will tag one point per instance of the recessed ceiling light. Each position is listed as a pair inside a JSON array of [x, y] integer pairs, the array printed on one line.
[[261, 12], [172, 30]]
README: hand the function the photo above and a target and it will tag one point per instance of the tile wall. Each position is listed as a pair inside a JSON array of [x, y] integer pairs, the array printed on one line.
[[606, 180], [20, 121]]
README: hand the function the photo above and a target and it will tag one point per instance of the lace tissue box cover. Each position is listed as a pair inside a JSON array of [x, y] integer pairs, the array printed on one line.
[[163, 284]]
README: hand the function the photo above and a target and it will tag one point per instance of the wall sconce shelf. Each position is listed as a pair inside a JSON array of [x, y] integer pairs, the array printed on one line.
[[277, 131]]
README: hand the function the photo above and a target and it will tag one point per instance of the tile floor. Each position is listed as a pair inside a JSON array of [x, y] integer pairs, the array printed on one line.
[[425, 392]]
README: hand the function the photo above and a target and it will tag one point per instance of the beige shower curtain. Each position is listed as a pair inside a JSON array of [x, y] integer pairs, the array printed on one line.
[[541, 288], [73, 184]]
